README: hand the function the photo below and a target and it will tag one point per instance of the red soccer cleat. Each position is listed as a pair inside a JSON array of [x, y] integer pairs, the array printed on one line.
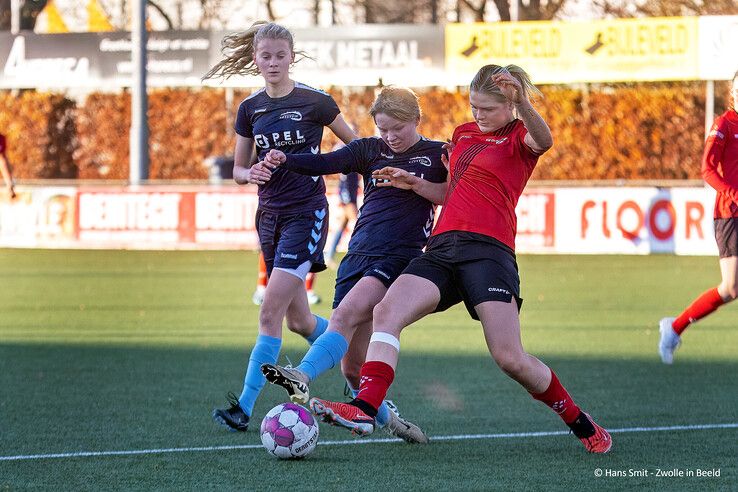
[[343, 415], [595, 438]]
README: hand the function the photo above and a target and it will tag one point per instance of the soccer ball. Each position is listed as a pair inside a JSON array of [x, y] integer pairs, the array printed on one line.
[[289, 431]]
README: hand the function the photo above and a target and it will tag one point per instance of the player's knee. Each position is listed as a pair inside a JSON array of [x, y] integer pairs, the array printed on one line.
[[300, 324], [728, 290], [384, 318], [511, 363], [344, 321]]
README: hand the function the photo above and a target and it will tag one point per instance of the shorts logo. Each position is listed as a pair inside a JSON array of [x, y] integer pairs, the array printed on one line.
[[382, 273], [495, 289], [422, 160], [289, 256], [291, 115]]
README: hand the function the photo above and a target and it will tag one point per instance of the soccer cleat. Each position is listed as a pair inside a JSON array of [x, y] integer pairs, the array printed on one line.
[[403, 428], [234, 418], [343, 415], [294, 381], [258, 297], [595, 438], [313, 298], [669, 341]]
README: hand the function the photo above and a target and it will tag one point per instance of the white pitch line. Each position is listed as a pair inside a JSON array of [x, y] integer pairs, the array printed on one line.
[[460, 437]]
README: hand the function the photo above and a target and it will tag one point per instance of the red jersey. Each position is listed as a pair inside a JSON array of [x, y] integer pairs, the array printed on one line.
[[488, 174], [2, 143], [720, 164]]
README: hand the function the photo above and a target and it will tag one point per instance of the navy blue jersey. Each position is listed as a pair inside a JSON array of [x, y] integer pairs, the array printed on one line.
[[391, 221], [293, 124], [348, 188]]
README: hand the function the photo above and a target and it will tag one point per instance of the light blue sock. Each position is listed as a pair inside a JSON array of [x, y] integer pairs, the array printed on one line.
[[383, 415], [325, 353], [265, 350], [321, 324]]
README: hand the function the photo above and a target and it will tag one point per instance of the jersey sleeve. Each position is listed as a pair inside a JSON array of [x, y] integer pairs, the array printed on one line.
[[342, 160], [326, 110], [2, 144], [713, 155], [243, 125]]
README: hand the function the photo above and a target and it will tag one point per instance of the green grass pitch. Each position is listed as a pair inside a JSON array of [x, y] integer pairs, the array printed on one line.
[[130, 351]]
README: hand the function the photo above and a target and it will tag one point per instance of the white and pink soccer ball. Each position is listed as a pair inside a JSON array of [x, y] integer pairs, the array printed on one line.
[[289, 431]]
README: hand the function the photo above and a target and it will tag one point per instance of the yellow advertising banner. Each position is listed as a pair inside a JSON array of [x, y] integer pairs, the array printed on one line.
[[620, 50]]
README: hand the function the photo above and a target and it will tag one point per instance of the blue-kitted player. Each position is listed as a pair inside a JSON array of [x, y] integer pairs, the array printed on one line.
[[348, 196], [393, 227], [292, 218]]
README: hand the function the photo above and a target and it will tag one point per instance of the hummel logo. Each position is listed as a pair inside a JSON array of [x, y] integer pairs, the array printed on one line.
[[386, 156], [288, 255], [315, 149], [291, 115], [260, 110], [423, 161]]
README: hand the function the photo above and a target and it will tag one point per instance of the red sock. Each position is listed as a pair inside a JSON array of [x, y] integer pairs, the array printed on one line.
[[705, 304], [376, 378], [261, 280], [309, 280], [559, 400]]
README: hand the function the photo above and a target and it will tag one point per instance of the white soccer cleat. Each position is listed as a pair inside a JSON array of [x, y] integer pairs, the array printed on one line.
[[313, 298], [258, 296], [669, 341], [403, 428]]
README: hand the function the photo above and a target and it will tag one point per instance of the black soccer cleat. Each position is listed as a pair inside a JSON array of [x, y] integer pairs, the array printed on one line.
[[234, 418]]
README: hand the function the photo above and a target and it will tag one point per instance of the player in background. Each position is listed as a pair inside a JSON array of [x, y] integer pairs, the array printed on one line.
[[262, 279], [719, 170], [470, 257], [5, 167], [292, 217], [392, 229], [348, 196]]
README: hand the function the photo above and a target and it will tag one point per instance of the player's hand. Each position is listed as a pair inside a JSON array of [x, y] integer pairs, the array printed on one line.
[[259, 173], [395, 177], [509, 86], [274, 158], [449, 148]]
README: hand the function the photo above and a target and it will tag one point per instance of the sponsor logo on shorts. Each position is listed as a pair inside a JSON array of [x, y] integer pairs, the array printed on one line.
[[496, 289], [291, 115], [289, 256], [382, 273]]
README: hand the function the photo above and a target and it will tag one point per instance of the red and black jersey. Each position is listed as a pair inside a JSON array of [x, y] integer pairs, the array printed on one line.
[[488, 174], [720, 164], [2, 143]]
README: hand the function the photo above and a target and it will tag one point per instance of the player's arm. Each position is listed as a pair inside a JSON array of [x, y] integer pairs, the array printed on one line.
[[7, 177], [539, 137], [245, 168], [399, 178], [342, 160], [711, 159], [340, 128]]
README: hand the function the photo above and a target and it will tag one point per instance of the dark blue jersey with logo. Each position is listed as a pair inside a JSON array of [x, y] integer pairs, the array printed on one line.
[[391, 221], [293, 124]]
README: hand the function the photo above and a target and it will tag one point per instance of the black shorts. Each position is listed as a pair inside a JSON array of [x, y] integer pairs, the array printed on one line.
[[354, 267], [726, 236], [469, 267], [289, 240]]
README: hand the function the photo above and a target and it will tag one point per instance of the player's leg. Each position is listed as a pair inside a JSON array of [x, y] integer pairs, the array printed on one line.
[[342, 223], [388, 415], [671, 329], [410, 298], [261, 282], [502, 333], [354, 308]]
